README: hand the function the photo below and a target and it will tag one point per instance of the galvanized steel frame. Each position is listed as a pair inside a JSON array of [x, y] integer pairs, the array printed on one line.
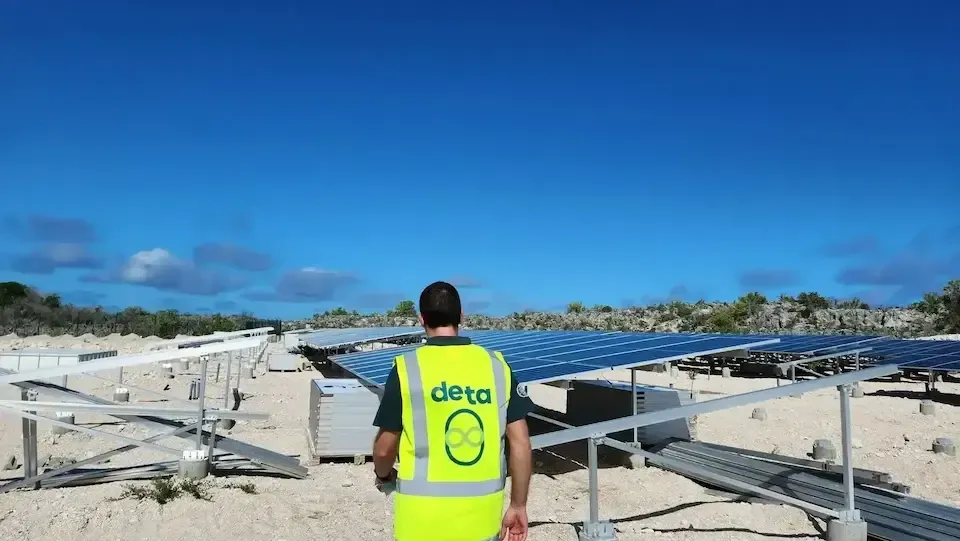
[[256, 455], [113, 363], [595, 433]]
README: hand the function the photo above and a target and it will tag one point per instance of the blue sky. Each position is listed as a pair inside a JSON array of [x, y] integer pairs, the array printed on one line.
[[285, 158]]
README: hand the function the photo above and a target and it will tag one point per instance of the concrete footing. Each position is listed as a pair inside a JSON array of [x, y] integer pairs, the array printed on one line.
[[674, 371], [598, 531], [121, 394], [184, 365], [167, 370], [194, 464], [847, 528], [824, 450], [856, 391], [64, 417], [927, 407], [725, 372], [637, 462], [227, 424], [248, 371], [944, 446], [759, 414]]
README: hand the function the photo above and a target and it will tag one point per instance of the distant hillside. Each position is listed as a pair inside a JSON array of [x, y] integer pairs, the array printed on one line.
[[808, 313], [26, 311]]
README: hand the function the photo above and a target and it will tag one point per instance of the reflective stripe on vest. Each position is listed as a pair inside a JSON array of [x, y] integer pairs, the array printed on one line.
[[420, 485]]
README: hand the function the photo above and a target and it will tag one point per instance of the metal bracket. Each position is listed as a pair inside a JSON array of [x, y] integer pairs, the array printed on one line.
[[846, 515], [598, 531]]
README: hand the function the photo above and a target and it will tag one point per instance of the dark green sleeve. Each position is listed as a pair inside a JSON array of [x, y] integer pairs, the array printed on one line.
[[519, 406], [389, 416]]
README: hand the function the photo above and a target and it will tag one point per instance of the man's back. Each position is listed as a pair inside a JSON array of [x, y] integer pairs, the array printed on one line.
[[451, 462], [446, 409]]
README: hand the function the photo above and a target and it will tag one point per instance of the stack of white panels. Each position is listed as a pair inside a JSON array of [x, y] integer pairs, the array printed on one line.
[[341, 417], [284, 361]]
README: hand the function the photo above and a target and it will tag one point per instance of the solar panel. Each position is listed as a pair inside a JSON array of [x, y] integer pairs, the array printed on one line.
[[333, 338], [538, 356], [812, 344], [938, 355]]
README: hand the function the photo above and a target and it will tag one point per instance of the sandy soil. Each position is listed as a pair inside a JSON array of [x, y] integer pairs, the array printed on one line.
[[338, 500]]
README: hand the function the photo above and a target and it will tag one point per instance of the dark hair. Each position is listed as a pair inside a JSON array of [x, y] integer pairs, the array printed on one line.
[[440, 305]]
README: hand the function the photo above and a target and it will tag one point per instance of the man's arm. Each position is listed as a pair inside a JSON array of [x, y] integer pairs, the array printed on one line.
[[385, 449], [389, 419], [520, 462], [519, 459]]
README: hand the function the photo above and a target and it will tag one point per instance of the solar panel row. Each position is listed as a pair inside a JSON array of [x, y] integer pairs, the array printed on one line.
[[938, 355], [814, 344], [548, 355], [538, 356], [331, 338]]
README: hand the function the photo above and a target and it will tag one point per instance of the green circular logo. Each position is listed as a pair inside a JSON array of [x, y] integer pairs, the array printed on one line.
[[464, 437]]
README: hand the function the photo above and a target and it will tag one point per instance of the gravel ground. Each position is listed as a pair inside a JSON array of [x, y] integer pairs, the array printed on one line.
[[338, 500]]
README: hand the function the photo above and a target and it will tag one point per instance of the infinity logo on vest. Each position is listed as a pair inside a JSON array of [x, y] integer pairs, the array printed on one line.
[[464, 439]]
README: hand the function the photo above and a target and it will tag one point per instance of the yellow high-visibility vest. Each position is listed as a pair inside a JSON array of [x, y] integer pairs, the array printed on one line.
[[452, 468]]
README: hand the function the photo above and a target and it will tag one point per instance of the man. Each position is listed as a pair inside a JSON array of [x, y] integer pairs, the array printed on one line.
[[446, 408]]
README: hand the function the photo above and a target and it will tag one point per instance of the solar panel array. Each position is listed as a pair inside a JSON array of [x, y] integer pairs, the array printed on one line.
[[936, 355], [539, 356], [335, 338], [811, 344]]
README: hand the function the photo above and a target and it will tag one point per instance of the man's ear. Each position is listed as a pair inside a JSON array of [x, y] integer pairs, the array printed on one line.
[[420, 319]]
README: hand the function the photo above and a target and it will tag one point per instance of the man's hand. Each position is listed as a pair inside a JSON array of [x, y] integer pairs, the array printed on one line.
[[514, 525], [387, 483]]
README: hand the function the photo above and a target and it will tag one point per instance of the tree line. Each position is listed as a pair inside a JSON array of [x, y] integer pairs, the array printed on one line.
[[25, 311]]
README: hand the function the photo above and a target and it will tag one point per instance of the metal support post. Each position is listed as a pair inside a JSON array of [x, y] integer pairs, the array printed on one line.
[[849, 526], [856, 361], [212, 443], [594, 529], [592, 463], [30, 465], [226, 387], [847, 437], [239, 371], [931, 382], [200, 400], [633, 394]]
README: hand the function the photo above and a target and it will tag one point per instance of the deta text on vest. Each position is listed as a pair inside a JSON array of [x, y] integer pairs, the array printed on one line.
[[442, 393]]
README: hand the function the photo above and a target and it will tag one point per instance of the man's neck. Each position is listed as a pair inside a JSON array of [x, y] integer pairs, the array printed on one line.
[[441, 331]]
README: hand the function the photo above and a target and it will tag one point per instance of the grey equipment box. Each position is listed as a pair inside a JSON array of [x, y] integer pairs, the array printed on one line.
[[284, 361], [592, 401], [341, 418]]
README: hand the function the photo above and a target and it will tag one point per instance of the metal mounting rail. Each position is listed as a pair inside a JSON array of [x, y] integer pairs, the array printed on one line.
[[701, 408], [889, 515]]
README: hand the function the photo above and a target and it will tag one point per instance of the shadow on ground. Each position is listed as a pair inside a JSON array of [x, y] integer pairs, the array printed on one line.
[[949, 399], [568, 457], [578, 526]]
